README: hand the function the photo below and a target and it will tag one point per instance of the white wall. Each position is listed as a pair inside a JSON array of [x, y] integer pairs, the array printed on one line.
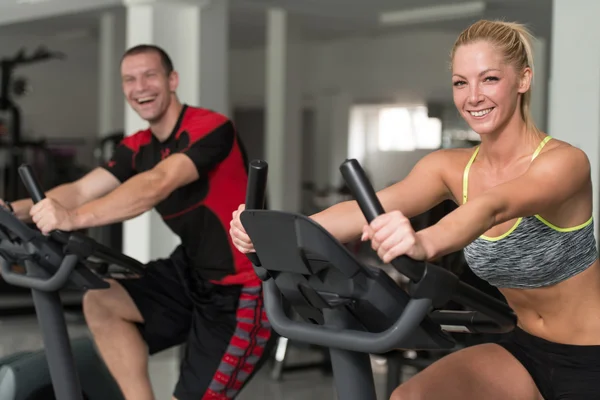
[[402, 68], [575, 83], [410, 68], [63, 100]]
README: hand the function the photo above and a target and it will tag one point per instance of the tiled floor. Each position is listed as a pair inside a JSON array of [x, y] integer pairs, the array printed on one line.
[[21, 333]]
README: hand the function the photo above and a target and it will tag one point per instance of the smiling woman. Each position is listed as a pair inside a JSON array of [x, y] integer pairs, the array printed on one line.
[[524, 221], [497, 59]]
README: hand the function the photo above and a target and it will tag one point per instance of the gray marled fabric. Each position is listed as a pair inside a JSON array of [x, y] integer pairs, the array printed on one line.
[[532, 255]]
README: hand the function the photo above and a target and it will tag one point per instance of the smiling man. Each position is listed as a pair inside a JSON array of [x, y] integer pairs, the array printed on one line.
[[188, 164]]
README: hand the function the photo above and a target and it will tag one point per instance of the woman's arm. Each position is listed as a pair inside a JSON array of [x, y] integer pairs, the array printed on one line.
[[421, 190], [554, 178]]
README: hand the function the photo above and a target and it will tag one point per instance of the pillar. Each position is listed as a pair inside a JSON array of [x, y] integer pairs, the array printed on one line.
[[283, 143], [539, 90], [341, 103], [331, 142], [194, 34], [575, 81], [322, 142], [108, 74]]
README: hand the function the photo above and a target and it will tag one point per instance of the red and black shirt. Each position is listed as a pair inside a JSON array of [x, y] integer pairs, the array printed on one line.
[[199, 213]]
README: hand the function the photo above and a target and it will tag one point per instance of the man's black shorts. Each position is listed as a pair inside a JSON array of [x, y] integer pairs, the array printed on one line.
[[225, 328]]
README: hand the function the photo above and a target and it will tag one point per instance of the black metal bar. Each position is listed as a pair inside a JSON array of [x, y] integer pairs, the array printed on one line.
[[255, 197], [59, 354], [368, 202]]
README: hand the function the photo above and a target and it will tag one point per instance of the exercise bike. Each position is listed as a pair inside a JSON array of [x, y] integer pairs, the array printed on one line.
[[64, 370], [353, 309]]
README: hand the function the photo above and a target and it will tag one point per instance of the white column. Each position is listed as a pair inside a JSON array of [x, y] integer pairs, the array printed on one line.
[[575, 81], [322, 142], [108, 75], [331, 137], [192, 34], [539, 89], [283, 112], [214, 55], [340, 132], [108, 83]]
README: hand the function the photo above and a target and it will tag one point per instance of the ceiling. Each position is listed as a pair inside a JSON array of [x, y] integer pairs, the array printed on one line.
[[316, 19], [328, 19]]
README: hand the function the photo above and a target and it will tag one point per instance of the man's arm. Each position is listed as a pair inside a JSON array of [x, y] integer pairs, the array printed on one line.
[[92, 185], [138, 194], [211, 140], [552, 179]]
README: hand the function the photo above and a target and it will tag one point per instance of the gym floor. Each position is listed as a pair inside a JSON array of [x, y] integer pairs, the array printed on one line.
[[22, 334]]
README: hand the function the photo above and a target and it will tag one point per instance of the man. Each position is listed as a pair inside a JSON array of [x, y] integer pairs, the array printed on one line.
[[188, 164]]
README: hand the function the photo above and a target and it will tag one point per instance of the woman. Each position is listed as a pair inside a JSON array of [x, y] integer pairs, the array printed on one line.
[[524, 222]]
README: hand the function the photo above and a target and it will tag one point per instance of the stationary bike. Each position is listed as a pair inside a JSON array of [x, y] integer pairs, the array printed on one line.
[[351, 308], [64, 370]]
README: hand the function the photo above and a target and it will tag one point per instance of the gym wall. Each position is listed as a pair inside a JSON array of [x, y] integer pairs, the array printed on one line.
[[410, 68], [63, 100]]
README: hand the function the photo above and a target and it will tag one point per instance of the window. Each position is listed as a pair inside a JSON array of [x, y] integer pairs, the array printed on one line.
[[407, 129]]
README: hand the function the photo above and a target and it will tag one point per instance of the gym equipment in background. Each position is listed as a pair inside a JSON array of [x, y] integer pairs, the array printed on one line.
[[62, 260], [9, 85], [353, 309]]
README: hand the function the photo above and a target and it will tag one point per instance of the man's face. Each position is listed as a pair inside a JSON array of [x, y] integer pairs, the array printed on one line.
[[146, 85]]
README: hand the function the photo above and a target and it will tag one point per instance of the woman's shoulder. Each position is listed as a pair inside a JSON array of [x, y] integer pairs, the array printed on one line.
[[560, 153], [562, 163]]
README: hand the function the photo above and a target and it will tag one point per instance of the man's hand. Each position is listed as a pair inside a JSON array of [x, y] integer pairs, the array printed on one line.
[[49, 215]]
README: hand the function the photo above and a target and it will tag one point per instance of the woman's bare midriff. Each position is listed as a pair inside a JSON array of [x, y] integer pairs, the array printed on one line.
[[568, 312]]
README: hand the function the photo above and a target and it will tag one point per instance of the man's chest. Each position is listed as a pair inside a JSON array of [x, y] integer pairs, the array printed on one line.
[[149, 156]]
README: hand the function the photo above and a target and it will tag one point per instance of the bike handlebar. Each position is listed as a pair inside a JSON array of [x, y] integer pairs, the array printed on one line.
[[76, 246], [465, 294]]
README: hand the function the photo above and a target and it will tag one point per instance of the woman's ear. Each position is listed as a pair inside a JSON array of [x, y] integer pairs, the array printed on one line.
[[525, 80]]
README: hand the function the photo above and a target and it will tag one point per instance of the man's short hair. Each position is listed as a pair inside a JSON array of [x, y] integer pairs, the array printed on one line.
[[149, 48]]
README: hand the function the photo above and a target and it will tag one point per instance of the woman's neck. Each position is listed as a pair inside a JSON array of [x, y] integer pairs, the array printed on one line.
[[513, 142]]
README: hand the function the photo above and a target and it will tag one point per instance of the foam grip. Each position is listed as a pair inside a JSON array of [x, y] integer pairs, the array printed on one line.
[[361, 188], [31, 183], [255, 194], [257, 184]]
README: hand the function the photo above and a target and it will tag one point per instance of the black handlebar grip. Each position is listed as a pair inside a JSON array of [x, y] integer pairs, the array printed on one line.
[[361, 188], [257, 184], [31, 183], [255, 199], [37, 194], [371, 207]]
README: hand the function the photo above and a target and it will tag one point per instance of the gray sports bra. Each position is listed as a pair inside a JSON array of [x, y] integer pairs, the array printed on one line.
[[533, 253]]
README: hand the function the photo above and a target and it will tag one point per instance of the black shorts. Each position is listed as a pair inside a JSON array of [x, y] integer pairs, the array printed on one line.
[[225, 328], [560, 371]]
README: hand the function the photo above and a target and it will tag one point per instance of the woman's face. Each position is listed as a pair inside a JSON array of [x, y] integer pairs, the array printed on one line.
[[486, 89]]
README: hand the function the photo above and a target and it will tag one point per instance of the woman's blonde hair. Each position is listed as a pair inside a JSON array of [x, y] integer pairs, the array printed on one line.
[[515, 42]]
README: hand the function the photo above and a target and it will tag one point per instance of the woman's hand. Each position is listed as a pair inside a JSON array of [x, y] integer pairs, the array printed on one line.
[[392, 235], [238, 234]]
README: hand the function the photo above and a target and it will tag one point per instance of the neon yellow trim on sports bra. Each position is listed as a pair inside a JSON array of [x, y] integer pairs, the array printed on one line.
[[518, 221], [569, 229], [468, 166], [466, 174]]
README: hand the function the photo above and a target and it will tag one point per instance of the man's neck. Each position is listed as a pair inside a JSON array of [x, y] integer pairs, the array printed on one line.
[[163, 128]]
